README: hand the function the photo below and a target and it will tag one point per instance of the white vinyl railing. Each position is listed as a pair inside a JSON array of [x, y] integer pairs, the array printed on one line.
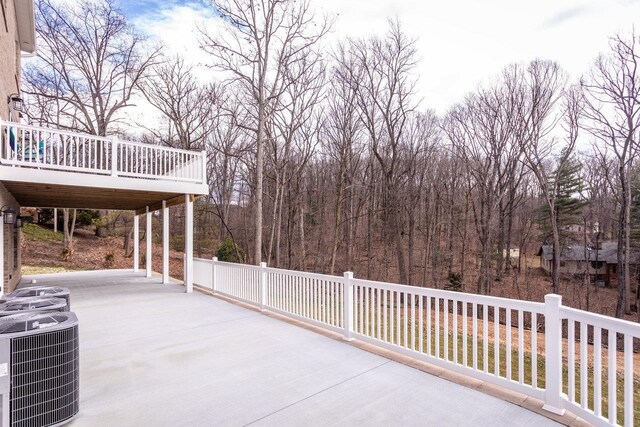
[[52, 149], [570, 359]]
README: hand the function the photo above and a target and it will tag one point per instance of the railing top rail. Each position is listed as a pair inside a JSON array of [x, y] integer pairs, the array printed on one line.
[[160, 147], [536, 307], [602, 321], [306, 274], [208, 261], [51, 130], [238, 265]]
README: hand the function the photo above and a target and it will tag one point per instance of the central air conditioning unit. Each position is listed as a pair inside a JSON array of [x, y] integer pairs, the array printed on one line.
[[31, 304], [40, 291], [39, 368]]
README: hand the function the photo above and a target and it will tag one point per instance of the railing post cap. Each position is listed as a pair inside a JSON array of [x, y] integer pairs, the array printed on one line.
[[348, 274], [215, 259], [553, 298], [263, 265]]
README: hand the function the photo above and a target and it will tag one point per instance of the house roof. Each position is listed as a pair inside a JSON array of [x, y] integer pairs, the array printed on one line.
[[608, 253], [26, 23]]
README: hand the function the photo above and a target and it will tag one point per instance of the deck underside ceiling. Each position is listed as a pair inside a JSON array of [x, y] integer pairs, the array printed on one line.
[[70, 196]]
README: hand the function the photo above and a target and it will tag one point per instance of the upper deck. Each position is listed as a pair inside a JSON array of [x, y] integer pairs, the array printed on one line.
[[55, 168]]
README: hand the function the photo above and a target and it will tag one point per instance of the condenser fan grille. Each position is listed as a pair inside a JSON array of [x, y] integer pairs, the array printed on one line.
[[44, 377]]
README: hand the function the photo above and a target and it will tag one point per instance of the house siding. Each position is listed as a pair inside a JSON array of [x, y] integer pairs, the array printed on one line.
[[9, 56], [12, 243], [9, 84]]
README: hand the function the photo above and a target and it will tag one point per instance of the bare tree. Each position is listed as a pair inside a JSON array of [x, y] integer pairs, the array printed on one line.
[[542, 87], [612, 98], [90, 62], [260, 41], [186, 104], [386, 90], [484, 135]]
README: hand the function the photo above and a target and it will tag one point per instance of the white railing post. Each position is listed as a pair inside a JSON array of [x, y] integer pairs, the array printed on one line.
[[214, 261], [553, 354], [347, 306], [263, 286], [114, 156]]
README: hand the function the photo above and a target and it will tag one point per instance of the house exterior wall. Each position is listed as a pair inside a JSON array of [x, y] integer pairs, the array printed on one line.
[[9, 84], [12, 244], [572, 267], [9, 56]]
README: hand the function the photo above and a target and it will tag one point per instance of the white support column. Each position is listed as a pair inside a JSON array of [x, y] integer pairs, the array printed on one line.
[[136, 242], [55, 220], [165, 242], [149, 254], [1, 255], [188, 243]]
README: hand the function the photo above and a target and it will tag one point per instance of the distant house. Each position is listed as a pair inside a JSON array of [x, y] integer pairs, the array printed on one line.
[[601, 263]]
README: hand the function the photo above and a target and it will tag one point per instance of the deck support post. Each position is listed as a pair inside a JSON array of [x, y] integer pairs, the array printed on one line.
[[149, 248], [165, 242], [188, 243], [136, 242], [55, 220]]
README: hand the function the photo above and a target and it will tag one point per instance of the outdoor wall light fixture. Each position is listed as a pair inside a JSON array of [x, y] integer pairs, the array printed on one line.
[[15, 102], [8, 214], [19, 222]]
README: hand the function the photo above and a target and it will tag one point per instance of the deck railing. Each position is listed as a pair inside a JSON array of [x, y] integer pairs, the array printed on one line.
[[52, 149], [528, 347]]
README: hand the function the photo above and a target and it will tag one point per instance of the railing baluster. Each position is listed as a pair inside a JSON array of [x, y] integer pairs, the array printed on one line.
[[613, 378], [384, 314], [534, 350], [584, 363], [405, 319], [437, 328], [465, 347], [508, 342], [413, 323], [520, 347], [445, 312], [496, 340], [398, 325], [485, 338], [367, 321], [571, 360], [628, 380], [421, 323], [378, 314], [455, 331], [597, 371], [474, 319]]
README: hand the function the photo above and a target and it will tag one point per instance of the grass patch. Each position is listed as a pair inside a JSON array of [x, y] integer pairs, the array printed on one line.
[[28, 270], [34, 232]]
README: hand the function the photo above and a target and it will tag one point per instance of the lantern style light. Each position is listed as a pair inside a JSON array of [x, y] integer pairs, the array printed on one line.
[[9, 215], [15, 102]]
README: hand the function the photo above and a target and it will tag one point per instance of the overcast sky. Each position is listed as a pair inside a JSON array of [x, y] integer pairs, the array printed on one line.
[[460, 42]]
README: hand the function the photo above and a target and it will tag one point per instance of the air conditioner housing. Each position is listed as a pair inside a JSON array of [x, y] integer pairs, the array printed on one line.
[[31, 304], [40, 291], [39, 368]]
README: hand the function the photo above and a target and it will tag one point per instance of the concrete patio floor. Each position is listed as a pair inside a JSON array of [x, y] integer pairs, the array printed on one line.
[[151, 354]]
